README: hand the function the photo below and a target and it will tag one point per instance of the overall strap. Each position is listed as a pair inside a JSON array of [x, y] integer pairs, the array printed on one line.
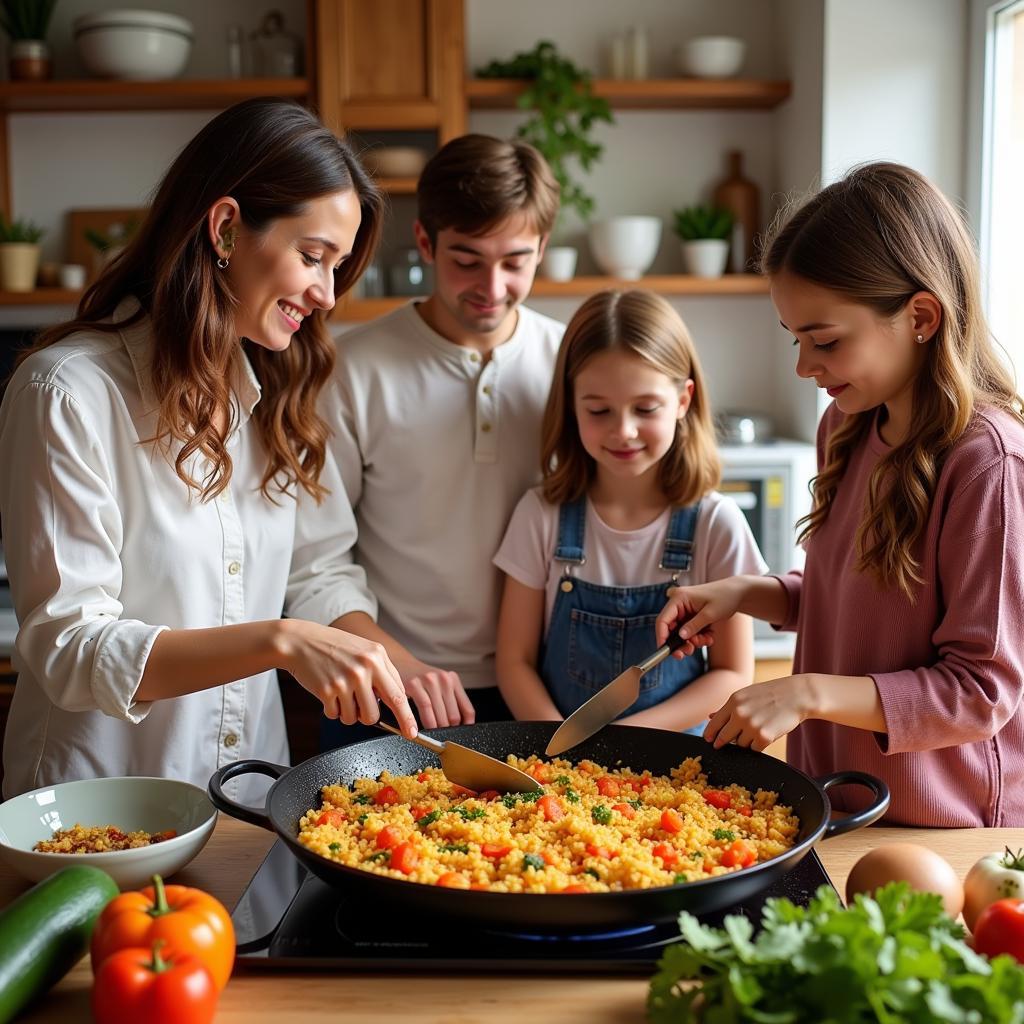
[[571, 526], [678, 554]]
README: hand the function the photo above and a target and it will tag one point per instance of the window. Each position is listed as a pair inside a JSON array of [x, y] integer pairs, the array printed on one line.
[[998, 200]]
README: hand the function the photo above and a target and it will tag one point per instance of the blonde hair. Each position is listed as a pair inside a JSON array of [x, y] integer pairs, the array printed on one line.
[[879, 236], [646, 325]]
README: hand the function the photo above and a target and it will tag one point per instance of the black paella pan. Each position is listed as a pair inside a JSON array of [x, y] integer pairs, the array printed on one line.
[[644, 750]]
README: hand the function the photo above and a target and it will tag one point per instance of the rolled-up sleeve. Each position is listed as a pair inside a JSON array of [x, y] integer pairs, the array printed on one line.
[[324, 582], [56, 492]]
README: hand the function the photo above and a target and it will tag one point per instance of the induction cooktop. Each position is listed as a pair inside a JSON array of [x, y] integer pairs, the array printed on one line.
[[288, 918]]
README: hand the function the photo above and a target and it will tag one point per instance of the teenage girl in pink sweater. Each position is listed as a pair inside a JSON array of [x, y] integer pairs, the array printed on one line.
[[910, 611]]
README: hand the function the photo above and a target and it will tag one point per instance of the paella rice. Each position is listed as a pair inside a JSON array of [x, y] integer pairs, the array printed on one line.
[[99, 839], [591, 829]]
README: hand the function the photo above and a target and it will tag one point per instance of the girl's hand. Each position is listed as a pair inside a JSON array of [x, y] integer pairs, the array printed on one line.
[[345, 672], [439, 696], [758, 715], [694, 610]]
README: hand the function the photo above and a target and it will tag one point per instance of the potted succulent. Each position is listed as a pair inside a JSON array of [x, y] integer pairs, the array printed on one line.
[[704, 232], [26, 22], [562, 111], [19, 254]]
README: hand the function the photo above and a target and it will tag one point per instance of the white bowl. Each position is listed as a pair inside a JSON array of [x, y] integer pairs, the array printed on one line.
[[130, 804], [394, 161], [625, 247], [712, 56], [135, 45]]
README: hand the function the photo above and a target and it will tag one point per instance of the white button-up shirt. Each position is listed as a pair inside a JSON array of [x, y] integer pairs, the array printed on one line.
[[106, 547]]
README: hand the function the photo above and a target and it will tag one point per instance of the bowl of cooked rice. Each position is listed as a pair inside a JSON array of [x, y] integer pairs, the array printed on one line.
[[131, 827]]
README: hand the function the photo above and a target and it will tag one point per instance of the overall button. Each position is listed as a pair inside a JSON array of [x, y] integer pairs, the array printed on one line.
[[566, 586], [234, 568], [231, 740]]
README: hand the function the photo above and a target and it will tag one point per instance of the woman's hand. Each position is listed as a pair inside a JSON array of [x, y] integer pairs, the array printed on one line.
[[439, 696], [345, 672], [694, 610], [758, 715]]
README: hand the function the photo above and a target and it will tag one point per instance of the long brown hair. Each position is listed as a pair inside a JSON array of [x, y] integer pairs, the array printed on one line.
[[646, 325], [879, 236], [273, 157]]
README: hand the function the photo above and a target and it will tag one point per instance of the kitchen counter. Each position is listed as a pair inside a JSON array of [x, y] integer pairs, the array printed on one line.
[[235, 851]]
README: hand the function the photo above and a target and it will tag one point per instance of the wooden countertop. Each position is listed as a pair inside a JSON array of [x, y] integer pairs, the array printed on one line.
[[235, 851]]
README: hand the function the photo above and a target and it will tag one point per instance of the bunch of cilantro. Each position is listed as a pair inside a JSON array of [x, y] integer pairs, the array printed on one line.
[[897, 958]]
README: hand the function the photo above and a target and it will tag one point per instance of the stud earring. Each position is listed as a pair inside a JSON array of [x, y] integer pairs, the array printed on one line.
[[920, 339]]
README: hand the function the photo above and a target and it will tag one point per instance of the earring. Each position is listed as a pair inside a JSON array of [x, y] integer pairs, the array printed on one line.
[[920, 339], [222, 262]]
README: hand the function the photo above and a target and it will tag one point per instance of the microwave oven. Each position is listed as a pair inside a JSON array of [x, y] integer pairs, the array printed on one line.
[[770, 483]]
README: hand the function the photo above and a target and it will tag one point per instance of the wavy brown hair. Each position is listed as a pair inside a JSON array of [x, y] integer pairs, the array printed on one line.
[[273, 157], [644, 324], [877, 237]]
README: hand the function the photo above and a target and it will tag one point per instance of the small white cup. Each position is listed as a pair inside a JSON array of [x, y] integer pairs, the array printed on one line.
[[71, 275]]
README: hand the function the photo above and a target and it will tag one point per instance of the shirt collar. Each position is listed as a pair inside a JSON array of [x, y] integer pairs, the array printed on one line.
[[138, 342]]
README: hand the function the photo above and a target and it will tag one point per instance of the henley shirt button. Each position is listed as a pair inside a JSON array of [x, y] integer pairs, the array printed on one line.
[[485, 427], [487, 389], [230, 740], [474, 357], [234, 568]]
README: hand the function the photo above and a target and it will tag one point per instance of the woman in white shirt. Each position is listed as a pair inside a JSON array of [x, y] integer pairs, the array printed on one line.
[[166, 490]]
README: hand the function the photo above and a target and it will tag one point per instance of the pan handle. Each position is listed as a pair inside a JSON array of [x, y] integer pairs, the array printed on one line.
[[869, 815], [253, 815]]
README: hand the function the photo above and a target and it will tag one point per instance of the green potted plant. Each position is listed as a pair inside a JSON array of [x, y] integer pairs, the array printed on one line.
[[26, 22], [704, 231], [19, 254], [562, 110]]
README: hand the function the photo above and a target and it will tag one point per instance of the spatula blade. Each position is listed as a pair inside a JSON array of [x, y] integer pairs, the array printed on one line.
[[605, 706], [467, 767]]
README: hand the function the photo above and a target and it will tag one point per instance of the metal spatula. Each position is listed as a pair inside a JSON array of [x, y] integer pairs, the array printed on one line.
[[609, 702], [467, 767]]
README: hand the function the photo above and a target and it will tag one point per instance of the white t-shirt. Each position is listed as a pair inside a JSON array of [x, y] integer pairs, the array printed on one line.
[[106, 548], [436, 448], [722, 546]]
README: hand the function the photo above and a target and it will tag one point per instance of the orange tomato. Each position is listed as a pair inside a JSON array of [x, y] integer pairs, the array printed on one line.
[[404, 857], [668, 855], [493, 852], [389, 837], [332, 816], [551, 807], [739, 854], [670, 821], [600, 851], [462, 791], [718, 798], [626, 810], [188, 921], [453, 880], [607, 786]]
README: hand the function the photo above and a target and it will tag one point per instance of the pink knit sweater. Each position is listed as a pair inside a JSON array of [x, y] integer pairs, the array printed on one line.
[[950, 667]]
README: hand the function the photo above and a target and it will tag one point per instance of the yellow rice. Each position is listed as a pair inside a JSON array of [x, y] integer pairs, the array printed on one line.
[[594, 847]]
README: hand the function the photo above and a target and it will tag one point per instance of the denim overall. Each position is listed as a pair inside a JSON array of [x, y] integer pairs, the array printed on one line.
[[598, 631]]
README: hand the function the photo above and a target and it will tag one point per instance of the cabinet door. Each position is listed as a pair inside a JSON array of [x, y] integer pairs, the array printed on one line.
[[391, 64]]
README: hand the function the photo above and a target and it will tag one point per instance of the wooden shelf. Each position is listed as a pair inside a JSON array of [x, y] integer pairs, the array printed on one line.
[[398, 186], [177, 94], [357, 309], [649, 94], [42, 297]]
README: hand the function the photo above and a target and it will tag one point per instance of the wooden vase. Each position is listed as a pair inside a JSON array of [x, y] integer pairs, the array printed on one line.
[[740, 197]]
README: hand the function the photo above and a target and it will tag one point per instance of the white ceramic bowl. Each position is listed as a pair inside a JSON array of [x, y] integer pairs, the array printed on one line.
[[712, 56], [394, 161], [153, 805], [136, 45], [625, 247]]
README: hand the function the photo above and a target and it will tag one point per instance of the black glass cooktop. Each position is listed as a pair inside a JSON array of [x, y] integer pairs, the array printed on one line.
[[287, 918]]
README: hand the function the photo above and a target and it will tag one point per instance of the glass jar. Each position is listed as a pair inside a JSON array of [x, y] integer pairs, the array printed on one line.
[[276, 52], [407, 274]]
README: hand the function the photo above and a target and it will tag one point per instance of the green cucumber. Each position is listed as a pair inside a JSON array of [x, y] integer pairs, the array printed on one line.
[[46, 931]]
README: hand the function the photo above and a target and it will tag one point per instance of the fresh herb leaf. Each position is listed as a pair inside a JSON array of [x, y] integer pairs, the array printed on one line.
[[697, 855], [362, 798], [601, 815], [510, 800], [334, 847], [572, 796], [380, 855], [533, 860], [592, 873], [532, 797], [635, 804], [563, 780], [454, 847], [725, 835], [896, 957], [428, 819], [362, 818], [467, 813]]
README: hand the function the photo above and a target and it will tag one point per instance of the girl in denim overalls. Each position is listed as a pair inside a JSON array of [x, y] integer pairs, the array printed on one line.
[[627, 509]]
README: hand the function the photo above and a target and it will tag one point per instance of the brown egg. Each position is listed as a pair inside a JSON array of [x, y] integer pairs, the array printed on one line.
[[923, 869]]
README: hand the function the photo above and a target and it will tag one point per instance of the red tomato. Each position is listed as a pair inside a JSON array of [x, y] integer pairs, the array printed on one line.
[[600, 851], [538, 771], [419, 810], [670, 821], [639, 785], [717, 798], [607, 786], [453, 880], [1000, 929], [137, 984], [493, 852], [404, 858], [574, 888], [332, 817], [625, 810], [389, 837], [668, 855], [739, 854], [549, 858], [462, 791], [387, 795], [423, 776], [746, 810], [551, 807], [488, 794]]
